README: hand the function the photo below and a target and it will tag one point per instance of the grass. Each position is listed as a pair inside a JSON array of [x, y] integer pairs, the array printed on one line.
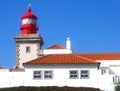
[[53, 88]]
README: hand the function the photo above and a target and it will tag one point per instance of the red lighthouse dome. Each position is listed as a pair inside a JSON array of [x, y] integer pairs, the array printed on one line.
[[29, 23]]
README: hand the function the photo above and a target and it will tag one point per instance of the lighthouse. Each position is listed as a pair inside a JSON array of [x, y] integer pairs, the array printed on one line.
[[29, 42], [29, 23]]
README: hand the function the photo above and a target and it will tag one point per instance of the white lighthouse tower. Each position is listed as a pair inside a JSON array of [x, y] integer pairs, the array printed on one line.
[[28, 43]]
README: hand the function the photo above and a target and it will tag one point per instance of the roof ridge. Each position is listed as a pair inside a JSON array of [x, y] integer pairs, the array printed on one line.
[[98, 53], [88, 59], [102, 56], [56, 46]]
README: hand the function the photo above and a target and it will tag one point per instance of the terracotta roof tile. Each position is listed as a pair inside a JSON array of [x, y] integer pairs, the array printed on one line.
[[57, 46], [1, 67], [104, 56], [62, 59]]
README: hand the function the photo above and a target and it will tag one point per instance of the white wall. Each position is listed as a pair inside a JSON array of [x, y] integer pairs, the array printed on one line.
[[12, 79], [23, 56], [4, 70], [61, 76], [56, 51], [112, 69], [107, 63], [105, 81]]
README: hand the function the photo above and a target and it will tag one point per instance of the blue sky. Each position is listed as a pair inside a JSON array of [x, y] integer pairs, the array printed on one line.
[[92, 25]]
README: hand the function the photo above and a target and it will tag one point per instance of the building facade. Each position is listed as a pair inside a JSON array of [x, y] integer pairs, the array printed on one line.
[[57, 65]]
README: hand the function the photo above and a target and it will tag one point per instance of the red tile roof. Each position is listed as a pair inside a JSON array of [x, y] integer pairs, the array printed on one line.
[[1, 67], [62, 59], [57, 46], [102, 56]]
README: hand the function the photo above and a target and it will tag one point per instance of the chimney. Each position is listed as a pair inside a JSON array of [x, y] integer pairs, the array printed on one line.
[[68, 43]]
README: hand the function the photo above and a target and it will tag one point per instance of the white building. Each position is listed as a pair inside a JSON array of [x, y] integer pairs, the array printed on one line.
[[57, 65]]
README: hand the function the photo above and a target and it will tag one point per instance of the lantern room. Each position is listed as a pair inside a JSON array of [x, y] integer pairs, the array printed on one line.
[[29, 23]]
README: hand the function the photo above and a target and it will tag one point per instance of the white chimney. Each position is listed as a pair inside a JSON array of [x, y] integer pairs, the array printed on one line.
[[68, 43]]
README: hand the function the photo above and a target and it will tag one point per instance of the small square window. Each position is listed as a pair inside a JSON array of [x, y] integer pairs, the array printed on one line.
[[48, 74], [37, 74], [103, 71], [84, 74], [27, 49], [73, 74]]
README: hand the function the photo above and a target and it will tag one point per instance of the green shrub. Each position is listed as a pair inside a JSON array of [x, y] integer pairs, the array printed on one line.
[[117, 88], [54, 88]]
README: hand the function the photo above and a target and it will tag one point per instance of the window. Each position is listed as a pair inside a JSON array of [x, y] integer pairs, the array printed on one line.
[[48, 74], [37, 74], [27, 49], [73, 74], [116, 79], [103, 71], [84, 74]]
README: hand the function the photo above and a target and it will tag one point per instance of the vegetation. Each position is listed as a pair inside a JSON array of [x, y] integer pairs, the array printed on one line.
[[117, 88], [49, 89]]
